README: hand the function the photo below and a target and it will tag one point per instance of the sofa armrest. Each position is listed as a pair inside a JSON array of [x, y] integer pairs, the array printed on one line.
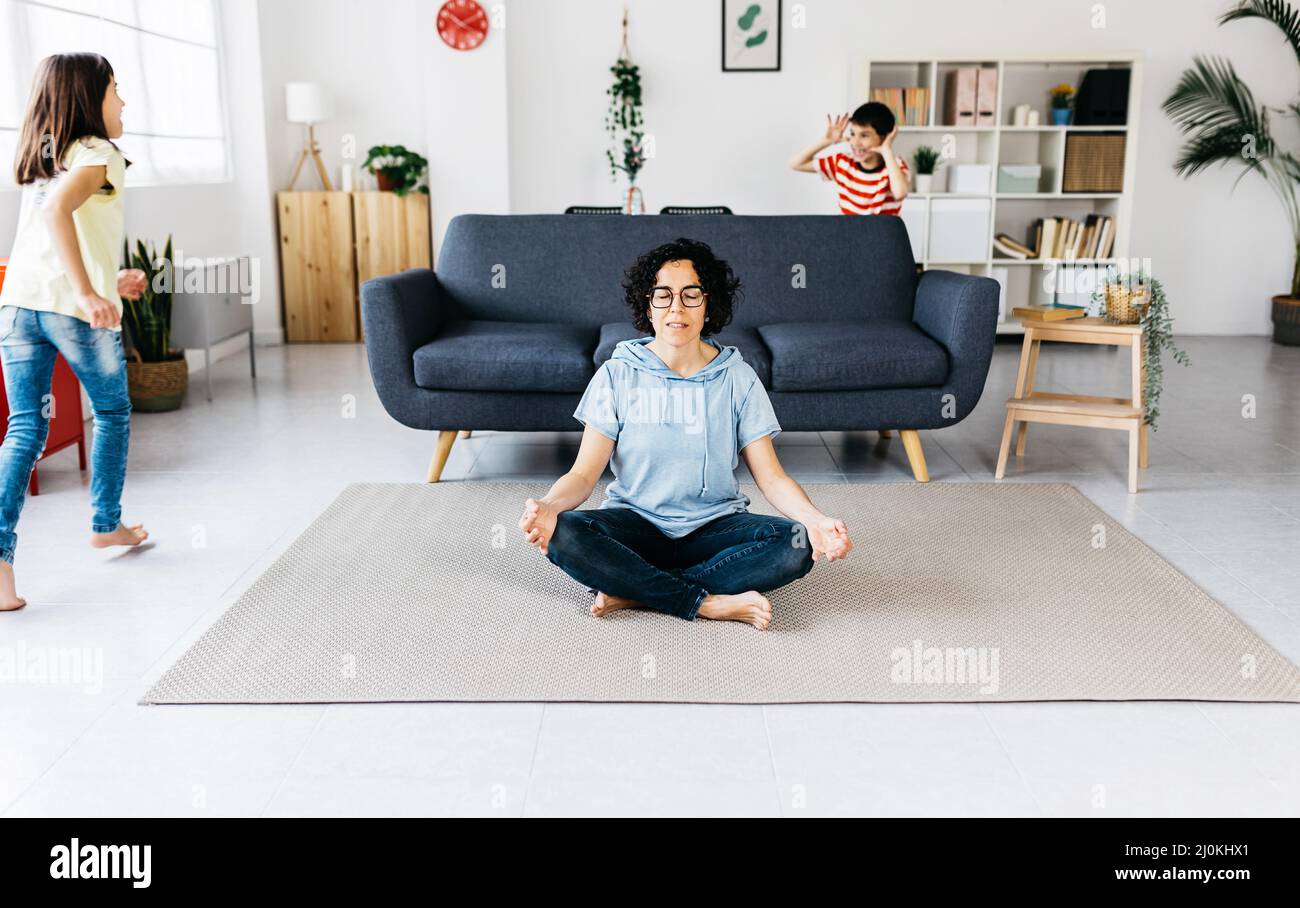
[[400, 313], [960, 311]]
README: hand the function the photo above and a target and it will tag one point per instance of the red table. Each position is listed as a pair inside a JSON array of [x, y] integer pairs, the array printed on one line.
[[67, 425]]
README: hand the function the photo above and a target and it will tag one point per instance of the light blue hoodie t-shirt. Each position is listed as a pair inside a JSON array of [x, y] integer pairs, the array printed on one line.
[[677, 440]]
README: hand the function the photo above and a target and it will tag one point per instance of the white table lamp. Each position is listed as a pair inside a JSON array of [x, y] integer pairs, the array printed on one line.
[[308, 103]]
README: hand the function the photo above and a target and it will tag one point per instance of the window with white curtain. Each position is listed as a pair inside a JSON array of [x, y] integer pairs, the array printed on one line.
[[166, 59]]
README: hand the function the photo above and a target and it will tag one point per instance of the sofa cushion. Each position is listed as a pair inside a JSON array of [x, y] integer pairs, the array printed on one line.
[[853, 356], [473, 355], [746, 340]]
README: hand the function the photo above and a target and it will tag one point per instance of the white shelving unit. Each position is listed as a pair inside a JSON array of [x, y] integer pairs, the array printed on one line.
[[1020, 80]]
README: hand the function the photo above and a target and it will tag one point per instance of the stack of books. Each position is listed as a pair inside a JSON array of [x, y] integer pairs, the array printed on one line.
[[910, 105], [1062, 238]]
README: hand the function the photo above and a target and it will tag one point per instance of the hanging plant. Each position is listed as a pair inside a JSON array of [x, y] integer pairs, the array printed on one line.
[[623, 119], [1157, 332]]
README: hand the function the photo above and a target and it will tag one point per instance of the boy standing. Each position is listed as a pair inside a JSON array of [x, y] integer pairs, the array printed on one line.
[[872, 179]]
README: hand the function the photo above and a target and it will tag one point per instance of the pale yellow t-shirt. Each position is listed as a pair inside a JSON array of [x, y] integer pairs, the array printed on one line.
[[35, 277]]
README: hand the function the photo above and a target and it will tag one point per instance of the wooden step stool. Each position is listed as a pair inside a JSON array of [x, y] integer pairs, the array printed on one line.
[[1124, 413]]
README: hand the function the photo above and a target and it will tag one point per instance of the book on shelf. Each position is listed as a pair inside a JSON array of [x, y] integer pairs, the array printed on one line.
[[1048, 313], [1011, 248], [1066, 239], [911, 106]]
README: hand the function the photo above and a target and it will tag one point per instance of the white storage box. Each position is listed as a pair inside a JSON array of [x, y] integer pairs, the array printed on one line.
[[913, 215], [969, 177], [959, 230], [1019, 177]]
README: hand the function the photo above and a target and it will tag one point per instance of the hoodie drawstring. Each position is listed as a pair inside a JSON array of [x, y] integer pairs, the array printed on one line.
[[704, 406]]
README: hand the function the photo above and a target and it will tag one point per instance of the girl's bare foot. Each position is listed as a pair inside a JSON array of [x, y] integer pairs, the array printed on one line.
[[605, 604], [123, 535], [751, 606], [10, 601]]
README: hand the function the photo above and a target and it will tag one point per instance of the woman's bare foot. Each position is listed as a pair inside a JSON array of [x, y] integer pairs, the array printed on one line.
[[123, 535], [751, 606], [605, 604], [10, 601]]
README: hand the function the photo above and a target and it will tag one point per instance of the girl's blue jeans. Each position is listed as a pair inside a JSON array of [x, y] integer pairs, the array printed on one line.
[[620, 553], [29, 342]]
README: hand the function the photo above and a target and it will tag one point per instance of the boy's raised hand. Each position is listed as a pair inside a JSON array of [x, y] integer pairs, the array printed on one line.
[[835, 128], [887, 141]]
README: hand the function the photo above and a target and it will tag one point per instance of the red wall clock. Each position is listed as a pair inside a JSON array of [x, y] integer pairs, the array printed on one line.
[[462, 24]]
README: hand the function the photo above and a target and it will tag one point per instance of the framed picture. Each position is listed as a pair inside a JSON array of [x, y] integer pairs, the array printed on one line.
[[751, 35]]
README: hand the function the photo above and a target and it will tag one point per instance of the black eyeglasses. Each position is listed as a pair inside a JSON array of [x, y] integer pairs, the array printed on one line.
[[662, 297]]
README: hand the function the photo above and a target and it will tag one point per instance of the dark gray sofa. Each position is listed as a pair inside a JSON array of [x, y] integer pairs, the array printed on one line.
[[523, 308]]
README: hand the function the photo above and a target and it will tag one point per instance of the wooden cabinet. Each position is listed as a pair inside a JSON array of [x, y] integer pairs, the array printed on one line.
[[332, 241]]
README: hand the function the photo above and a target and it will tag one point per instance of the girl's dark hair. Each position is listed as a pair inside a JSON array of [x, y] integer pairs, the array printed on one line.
[[66, 104], [716, 277]]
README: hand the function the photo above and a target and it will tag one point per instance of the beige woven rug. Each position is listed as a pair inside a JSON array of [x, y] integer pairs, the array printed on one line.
[[954, 592]]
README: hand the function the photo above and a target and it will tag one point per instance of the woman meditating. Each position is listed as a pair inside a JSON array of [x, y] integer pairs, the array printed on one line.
[[673, 411]]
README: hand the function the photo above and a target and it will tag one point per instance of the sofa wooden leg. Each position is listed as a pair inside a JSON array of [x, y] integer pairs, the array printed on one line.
[[446, 438], [915, 456], [886, 433], [464, 433]]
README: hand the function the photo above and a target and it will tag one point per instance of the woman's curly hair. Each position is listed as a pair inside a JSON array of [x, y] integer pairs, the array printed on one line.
[[716, 277]]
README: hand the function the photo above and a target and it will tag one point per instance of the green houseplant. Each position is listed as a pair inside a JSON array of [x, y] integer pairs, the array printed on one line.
[[1157, 328], [925, 158], [1224, 125], [157, 375], [623, 122], [1062, 95], [397, 168]]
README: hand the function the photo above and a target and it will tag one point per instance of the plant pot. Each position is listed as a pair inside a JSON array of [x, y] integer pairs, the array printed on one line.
[[158, 387], [385, 182], [1286, 320], [1060, 116], [924, 182], [1125, 303]]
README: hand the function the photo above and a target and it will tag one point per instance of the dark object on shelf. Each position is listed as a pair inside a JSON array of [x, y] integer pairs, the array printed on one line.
[[593, 209], [1102, 98], [1094, 162], [695, 209]]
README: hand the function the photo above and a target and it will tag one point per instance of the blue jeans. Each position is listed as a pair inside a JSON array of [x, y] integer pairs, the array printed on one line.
[[620, 553], [29, 341]]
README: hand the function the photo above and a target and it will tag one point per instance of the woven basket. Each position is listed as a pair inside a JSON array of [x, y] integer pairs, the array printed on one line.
[[1094, 162], [156, 387], [1125, 302]]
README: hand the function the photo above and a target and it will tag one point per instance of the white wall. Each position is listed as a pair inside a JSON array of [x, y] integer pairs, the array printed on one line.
[[392, 81], [725, 137], [720, 137]]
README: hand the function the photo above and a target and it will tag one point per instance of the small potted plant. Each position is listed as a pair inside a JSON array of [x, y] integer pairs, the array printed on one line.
[[1062, 96], [156, 375], [925, 158], [397, 168], [1133, 297]]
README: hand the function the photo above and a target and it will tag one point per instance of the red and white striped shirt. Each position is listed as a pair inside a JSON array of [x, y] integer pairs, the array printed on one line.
[[861, 191]]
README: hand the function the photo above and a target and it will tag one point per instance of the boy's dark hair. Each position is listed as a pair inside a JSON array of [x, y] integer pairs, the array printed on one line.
[[716, 277], [876, 115]]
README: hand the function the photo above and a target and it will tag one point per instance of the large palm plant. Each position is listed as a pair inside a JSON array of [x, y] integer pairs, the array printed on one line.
[[1224, 125]]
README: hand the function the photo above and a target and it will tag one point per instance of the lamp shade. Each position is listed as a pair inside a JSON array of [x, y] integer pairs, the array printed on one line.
[[306, 102]]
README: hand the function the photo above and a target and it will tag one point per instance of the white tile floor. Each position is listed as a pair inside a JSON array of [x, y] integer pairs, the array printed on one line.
[[226, 486]]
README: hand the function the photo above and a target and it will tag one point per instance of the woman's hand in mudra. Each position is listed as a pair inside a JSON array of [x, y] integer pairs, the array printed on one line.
[[538, 523], [829, 537]]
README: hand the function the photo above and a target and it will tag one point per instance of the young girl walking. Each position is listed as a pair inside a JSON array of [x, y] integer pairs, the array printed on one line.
[[62, 292]]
